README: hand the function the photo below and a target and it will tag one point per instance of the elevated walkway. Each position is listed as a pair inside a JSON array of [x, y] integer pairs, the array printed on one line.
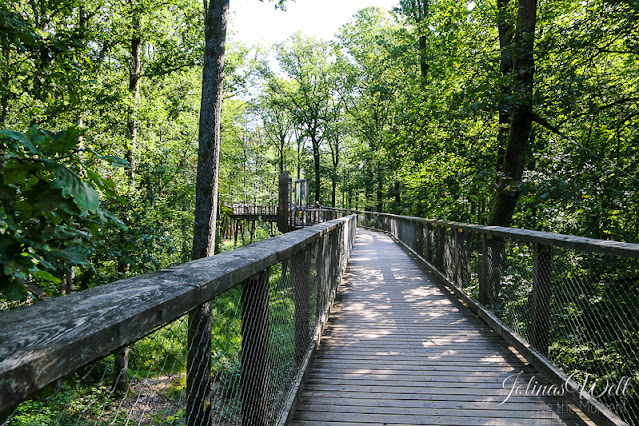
[[399, 349]]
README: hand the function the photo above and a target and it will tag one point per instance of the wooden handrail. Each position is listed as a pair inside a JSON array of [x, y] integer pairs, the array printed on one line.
[[53, 338], [592, 245]]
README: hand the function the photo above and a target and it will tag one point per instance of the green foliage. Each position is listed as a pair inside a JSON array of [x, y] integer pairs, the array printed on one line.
[[50, 207]]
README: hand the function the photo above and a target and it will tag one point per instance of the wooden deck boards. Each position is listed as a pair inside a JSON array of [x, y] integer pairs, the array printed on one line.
[[397, 350]]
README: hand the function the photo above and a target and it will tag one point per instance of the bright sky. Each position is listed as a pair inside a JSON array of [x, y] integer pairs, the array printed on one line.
[[256, 22]]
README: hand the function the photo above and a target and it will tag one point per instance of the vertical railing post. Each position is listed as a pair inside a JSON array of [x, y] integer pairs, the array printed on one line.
[[255, 350], [334, 262], [441, 242], [198, 367], [541, 294], [459, 263], [419, 238], [300, 271], [429, 237], [493, 258], [484, 291], [320, 267]]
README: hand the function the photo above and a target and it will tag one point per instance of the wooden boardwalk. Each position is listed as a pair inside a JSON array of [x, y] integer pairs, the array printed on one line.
[[398, 350]]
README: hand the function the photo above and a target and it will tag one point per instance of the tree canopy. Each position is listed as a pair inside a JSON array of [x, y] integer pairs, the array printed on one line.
[[435, 109]]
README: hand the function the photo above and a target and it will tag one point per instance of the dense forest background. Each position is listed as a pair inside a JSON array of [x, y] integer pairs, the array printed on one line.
[[406, 111]]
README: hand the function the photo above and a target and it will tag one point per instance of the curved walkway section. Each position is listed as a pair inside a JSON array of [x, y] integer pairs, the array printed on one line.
[[398, 350]]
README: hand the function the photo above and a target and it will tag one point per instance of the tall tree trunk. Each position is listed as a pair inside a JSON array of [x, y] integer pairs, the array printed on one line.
[[368, 194], [300, 139], [380, 187], [507, 192], [333, 192], [198, 381], [423, 62], [335, 158], [282, 148], [505, 29], [316, 167], [134, 91], [4, 100]]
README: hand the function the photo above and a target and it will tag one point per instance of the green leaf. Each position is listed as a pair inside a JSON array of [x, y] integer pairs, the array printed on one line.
[[84, 195], [14, 175], [20, 137], [65, 141], [13, 289], [73, 255], [47, 276]]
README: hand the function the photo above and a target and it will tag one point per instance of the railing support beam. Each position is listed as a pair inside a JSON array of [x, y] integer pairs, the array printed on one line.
[[441, 241], [429, 236], [255, 349], [541, 294], [198, 369], [419, 237], [300, 274], [460, 259]]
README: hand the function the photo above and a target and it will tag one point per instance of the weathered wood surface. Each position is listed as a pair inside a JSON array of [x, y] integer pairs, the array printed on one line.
[[46, 341], [616, 248], [397, 350]]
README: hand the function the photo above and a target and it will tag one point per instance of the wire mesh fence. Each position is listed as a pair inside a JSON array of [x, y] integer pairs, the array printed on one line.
[[574, 300], [235, 359]]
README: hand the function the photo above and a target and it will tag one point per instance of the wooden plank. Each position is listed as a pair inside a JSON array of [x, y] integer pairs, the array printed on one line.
[[416, 403], [460, 419], [538, 411], [316, 394]]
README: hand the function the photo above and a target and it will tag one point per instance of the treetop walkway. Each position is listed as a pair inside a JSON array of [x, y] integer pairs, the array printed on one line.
[[398, 350], [509, 326]]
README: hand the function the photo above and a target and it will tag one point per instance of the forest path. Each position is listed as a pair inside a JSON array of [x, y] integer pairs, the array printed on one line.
[[399, 350]]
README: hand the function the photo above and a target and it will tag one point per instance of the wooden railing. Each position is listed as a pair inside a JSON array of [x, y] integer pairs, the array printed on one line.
[[254, 211], [268, 302]]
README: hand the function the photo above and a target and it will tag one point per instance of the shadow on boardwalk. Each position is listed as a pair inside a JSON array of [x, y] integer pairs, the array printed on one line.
[[399, 350]]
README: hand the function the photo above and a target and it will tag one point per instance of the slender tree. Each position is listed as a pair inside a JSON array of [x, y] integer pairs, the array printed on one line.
[[206, 187], [521, 118]]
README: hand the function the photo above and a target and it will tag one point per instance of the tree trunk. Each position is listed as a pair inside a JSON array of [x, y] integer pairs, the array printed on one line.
[[316, 167], [282, 148], [423, 64], [505, 29], [299, 156], [507, 192], [134, 90], [4, 101], [380, 187], [199, 340], [368, 194]]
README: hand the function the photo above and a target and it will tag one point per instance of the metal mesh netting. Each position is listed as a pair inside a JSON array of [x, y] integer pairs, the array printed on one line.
[[239, 354], [578, 308]]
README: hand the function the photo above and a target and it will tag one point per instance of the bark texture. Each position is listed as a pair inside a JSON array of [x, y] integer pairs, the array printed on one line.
[[199, 355], [521, 117]]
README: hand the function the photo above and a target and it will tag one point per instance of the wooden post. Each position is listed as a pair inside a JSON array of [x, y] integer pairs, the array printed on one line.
[[255, 362], [429, 237], [441, 241], [460, 259], [541, 294], [485, 297], [282, 207], [300, 269], [120, 371], [419, 238], [198, 367], [320, 267]]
